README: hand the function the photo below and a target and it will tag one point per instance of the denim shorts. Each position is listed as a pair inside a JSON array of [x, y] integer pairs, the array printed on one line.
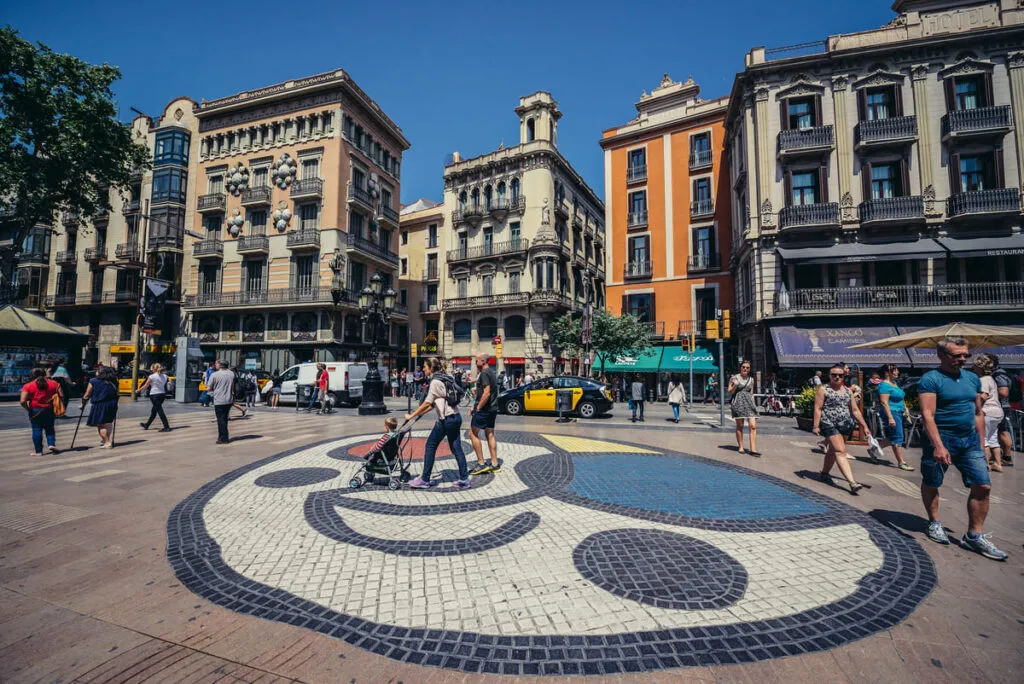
[[967, 456], [893, 433], [844, 429]]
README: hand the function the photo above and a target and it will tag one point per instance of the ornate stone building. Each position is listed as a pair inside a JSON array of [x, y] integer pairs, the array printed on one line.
[[421, 261], [525, 243], [296, 209], [877, 183]]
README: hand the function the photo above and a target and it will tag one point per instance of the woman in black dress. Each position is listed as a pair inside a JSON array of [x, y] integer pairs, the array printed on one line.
[[103, 392]]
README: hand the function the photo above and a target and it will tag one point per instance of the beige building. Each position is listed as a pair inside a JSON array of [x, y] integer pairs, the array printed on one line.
[[296, 210], [421, 260], [876, 183], [524, 243], [88, 272]]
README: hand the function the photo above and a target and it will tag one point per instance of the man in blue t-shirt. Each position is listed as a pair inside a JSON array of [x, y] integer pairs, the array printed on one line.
[[953, 422]]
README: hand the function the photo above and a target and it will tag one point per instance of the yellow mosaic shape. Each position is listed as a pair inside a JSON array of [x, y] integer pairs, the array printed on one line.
[[577, 445]]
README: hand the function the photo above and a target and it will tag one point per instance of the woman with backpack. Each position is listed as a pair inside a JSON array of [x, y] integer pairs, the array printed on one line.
[[441, 393], [103, 392], [157, 384]]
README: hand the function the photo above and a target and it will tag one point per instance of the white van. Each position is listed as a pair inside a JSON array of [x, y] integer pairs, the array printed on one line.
[[344, 381]]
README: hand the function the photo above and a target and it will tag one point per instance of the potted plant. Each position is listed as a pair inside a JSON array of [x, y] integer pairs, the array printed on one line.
[[805, 409]]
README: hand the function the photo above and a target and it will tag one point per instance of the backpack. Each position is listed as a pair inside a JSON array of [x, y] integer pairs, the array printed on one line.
[[455, 392], [1016, 388]]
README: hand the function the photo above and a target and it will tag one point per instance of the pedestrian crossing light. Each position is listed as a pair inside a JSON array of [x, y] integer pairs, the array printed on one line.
[[726, 324], [711, 330], [684, 343]]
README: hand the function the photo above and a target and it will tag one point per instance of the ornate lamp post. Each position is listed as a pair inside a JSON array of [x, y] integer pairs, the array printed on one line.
[[376, 306]]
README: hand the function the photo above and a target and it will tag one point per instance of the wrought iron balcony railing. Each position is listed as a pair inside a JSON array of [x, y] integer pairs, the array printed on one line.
[[702, 261], [892, 209], [257, 195], [389, 215], [158, 242], [800, 140], [897, 129], [809, 215], [637, 269], [487, 251], [253, 243], [371, 248], [636, 173], [1001, 295], [215, 201], [308, 187], [429, 307], [636, 219], [430, 274], [292, 295], [97, 253], [358, 194], [208, 248], [303, 238], [1000, 201], [656, 329], [979, 121], [487, 301], [128, 251], [67, 258], [702, 207], [690, 328], [701, 158]]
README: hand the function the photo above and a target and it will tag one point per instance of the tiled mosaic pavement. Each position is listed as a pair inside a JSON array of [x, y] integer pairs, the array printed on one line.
[[583, 556]]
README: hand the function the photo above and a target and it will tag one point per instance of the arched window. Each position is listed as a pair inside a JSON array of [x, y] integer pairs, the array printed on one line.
[[515, 327], [462, 200], [501, 191], [514, 189], [463, 330], [487, 196], [487, 328], [530, 130], [475, 196]]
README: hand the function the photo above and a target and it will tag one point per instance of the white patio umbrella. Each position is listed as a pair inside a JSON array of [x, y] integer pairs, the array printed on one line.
[[978, 337]]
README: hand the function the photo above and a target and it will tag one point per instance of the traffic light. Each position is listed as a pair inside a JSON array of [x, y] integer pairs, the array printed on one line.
[[684, 343], [726, 324], [711, 330]]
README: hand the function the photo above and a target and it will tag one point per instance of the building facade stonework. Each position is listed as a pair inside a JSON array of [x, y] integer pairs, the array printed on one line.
[[524, 244], [421, 262], [876, 179]]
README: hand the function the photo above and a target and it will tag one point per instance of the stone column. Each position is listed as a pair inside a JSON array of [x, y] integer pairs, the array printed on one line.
[[844, 150], [316, 123], [204, 146], [1015, 64], [919, 76], [764, 168]]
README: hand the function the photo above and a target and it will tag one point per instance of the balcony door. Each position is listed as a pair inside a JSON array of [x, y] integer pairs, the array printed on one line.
[[703, 246], [209, 279], [488, 240], [255, 273], [431, 266], [463, 245], [305, 277], [806, 186], [641, 306], [640, 249]]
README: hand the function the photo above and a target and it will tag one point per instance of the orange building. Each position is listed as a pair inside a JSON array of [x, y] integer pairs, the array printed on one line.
[[667, 211]]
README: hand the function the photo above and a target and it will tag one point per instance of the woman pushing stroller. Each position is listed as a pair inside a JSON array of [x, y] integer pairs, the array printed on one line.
[[448, 425]]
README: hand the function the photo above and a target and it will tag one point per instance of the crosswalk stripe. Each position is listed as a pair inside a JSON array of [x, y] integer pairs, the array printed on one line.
[[87, 464], [92, 476], [62, 461]]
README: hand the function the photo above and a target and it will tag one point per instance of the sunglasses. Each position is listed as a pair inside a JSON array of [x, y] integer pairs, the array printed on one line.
[[958, 356], [838, 375]]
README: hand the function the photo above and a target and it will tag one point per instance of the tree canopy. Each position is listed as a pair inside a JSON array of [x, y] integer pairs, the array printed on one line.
[[61, 144], [613, 336]]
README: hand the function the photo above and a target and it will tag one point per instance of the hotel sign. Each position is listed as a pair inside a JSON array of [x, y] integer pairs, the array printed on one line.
[[963, 19]]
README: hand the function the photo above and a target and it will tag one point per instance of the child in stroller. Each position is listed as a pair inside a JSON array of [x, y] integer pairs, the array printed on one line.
[[385, 458]]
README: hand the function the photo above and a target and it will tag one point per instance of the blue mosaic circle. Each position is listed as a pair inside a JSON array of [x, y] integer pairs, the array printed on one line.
[[655, 563]]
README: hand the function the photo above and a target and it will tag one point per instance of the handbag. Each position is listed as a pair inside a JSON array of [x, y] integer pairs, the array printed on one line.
[[59, 409], [629, 403]]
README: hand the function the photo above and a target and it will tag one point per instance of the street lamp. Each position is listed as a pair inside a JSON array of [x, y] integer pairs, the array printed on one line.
[[376, 306]]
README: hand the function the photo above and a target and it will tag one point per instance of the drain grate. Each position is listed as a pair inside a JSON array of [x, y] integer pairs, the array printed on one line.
[[31, 517]]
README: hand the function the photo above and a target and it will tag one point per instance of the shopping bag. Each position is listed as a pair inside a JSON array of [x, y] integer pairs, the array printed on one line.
[[58, 406], [874, 449]]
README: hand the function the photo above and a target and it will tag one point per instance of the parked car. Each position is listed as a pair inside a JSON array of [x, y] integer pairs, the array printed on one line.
[[344, 381], [589, 397]]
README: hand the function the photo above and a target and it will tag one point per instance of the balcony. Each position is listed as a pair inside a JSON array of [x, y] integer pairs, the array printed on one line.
[[95, 298], [253, 244], [501, 207], [892, 209], [487, 301], [430, 275], [806, 141], [371, 249], [131, 207], [701, 159], [901, 298], [803, 216], [636, 220], [471, 214], [164, 242], [656, 329], [899, 130], [561, 209], [389, 215], [429, 307], [550, 298], [294, 295], [702, 207], [35, 256], [65, 259], [208, 249], [303, 239], [972, 123], [96, 254], [128, 251], [636, 174], [70, 219], [488, 251], [701, 261], [577, 219], [579, 259], [686, 328], [635, 270], [53, 301], [305, 188], [256, 197], [216, 201], [359, 196], [984, 203]]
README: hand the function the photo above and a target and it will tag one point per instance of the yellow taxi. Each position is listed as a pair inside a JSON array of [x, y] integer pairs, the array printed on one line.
[[589, 397]]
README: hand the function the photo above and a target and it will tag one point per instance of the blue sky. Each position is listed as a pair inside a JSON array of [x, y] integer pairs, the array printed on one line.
[[449, 73]]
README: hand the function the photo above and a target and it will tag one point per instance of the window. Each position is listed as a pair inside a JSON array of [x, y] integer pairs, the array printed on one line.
[[404, 266], [804, 188], [488, 196], [35, 279], [487, 328], [639, 305], [879, 103], [488, 285], [463, 287], [463, 330], [386, 197], [209, 279], [97, 283], [488, 234], [432, 235], [462, 201], [514, 189], [475, 198], [463, 244], [977, 173], [501, 191], [254, 270], [71, 242], [309, 216], [385, 240], [358, 178], [211, 226], [259, 178], [356, 275], [800, 113], [513, 232], [704, 246], [169, 185], [701, 143], [169, 223], [257, 222], [969, 92], [36, 243], [355, 223], [639, 249], [432, 296], [885, 181], [306, 276], [127, 323], [432, 265], [515, 327], [702, 190], [127, 281], [637, 159], [215, 185], [405, 237], [310, 169], [513, 281], [530, 130], [638, 203], [171, 147]]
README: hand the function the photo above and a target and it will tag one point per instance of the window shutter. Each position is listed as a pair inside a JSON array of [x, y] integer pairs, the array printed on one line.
[[823, 183], [997, 167], [862, 105], [788, 187], [989, 99], [783, 115], [291, 272], [948, 85], [651, 314], [865, 180], [625, 305], [904, 177], [898, 100], [817, 111], [954, 174]]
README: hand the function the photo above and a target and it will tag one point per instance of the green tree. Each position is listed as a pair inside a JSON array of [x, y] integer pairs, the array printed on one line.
[[613, 336], [61, 144]]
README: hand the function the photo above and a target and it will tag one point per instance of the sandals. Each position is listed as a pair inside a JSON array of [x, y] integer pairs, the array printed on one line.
[[854, 487]]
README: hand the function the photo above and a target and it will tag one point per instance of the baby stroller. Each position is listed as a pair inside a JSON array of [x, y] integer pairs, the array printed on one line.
[[391, 460]]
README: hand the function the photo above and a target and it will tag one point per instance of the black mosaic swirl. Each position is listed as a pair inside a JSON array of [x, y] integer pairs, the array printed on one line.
[[661, 569], [882, 600], [296, 477]]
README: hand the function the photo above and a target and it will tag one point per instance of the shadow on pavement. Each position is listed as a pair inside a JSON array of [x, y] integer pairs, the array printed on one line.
[[128, 443], [900, 521], [239, 438]]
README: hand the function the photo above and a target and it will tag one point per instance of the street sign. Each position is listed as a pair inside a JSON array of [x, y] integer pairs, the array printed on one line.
[[711, 330], [497, 340], [413, 349], [497, 351], [540, 360]]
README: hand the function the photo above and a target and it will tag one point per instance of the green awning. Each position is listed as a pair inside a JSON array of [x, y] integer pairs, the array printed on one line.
[[646, 361], [675, 360]]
